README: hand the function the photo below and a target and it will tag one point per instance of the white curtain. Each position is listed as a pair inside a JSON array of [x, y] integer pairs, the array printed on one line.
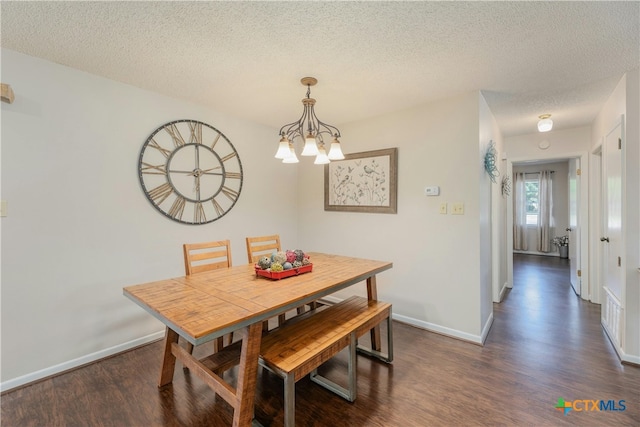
[[545, 221], [519, 212]]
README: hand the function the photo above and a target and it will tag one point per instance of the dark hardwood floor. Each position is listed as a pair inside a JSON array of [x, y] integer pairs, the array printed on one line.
[[545, 344]]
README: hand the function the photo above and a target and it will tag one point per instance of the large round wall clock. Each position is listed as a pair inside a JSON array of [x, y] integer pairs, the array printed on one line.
[[190, 172]]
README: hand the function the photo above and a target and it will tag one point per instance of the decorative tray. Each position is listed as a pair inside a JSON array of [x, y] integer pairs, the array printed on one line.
[[277, 275]]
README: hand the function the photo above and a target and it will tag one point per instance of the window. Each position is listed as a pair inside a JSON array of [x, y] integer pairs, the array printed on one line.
[[532, 192]]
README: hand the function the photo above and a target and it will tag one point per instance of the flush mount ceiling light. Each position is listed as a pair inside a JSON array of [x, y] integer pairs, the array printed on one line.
[[310, 130], [545, 124]]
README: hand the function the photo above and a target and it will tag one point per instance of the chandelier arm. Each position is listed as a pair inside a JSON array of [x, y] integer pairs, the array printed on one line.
[[297, 128], [322, 127], [294, 134], [332, 130], [287, 129]]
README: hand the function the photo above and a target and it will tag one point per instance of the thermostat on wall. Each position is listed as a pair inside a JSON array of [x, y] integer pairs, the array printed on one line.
[[432, 191]]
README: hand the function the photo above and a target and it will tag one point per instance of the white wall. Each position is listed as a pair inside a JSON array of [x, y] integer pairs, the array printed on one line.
[[79, 226], [562, 144], [560, 209], [492, 231], [625, 101], [437, 280]]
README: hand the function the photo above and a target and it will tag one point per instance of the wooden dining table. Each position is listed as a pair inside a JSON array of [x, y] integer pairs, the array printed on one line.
[[207, 305]]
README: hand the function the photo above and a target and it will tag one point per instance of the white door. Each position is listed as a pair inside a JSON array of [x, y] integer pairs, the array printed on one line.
[[574, 225], [612, 212]]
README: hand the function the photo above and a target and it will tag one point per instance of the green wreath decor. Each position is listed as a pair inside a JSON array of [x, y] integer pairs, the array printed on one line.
[[490, 159]]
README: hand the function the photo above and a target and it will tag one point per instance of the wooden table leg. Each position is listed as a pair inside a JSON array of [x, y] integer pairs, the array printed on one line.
[[372, 294], [247, 375], [168, 359]]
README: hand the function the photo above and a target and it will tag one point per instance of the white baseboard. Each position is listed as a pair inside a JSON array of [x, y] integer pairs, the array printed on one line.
[[75, 363], [442, 330], [624, 357], [553, 254], [487, 327], [503, 291], [332, 299], [432, 327], [629, 358]]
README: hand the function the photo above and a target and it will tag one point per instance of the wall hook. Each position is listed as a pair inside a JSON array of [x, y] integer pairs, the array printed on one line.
[[7, 93]]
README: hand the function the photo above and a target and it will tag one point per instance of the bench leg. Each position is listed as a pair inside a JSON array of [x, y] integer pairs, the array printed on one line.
[[385, 357], [346, 393], [289, 401], [353, 367], [389, 338]]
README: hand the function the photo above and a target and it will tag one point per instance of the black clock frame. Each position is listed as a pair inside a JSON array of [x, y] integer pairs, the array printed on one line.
[[173, 188]]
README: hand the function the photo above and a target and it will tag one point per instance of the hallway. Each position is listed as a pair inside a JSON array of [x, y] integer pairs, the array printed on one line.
[[545, 309], [559, 342], [545, 344]]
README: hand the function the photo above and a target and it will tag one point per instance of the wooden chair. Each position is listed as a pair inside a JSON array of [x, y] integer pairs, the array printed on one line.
[[260, 246], [257, 247], [199, 257]]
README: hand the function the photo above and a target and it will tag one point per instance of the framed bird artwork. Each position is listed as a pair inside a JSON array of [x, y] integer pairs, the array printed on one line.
[[363, 182]]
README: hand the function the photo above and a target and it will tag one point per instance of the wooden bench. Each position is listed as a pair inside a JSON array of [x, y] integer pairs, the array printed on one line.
[[302, 344], [299, 347]]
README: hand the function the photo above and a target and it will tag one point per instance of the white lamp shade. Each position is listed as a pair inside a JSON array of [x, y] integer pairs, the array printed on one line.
[[545, 125], [283, 149], [310, 146], [292, 158], [321, 158], [335, 152]]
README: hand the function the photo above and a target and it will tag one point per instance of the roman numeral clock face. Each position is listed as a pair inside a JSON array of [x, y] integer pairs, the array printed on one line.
[[190, 172]]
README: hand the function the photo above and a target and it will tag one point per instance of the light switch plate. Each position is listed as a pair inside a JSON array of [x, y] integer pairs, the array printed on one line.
[[457, 209], [443, 208], [3, 208], [432, 191]]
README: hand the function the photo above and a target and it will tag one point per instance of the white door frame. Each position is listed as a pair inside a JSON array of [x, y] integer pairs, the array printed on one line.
[[584, 218], [595, 207], [574, 225]]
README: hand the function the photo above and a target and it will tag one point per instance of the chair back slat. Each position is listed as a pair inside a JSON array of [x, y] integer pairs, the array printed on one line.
[[260, 246], [206, 256]]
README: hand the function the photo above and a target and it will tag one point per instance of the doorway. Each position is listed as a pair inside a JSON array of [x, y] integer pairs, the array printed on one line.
[[576, 221]]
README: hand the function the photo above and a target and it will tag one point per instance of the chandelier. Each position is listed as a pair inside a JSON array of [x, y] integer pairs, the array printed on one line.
[[312, 131]]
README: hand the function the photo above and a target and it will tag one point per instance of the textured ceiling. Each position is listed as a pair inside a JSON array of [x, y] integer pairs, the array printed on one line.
[[371, 58]]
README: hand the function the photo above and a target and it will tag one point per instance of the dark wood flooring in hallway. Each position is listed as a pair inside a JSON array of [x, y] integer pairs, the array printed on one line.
[[545, 344]]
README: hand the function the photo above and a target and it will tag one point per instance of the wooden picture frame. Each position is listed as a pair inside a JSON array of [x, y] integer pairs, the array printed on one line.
[[363, 182]]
